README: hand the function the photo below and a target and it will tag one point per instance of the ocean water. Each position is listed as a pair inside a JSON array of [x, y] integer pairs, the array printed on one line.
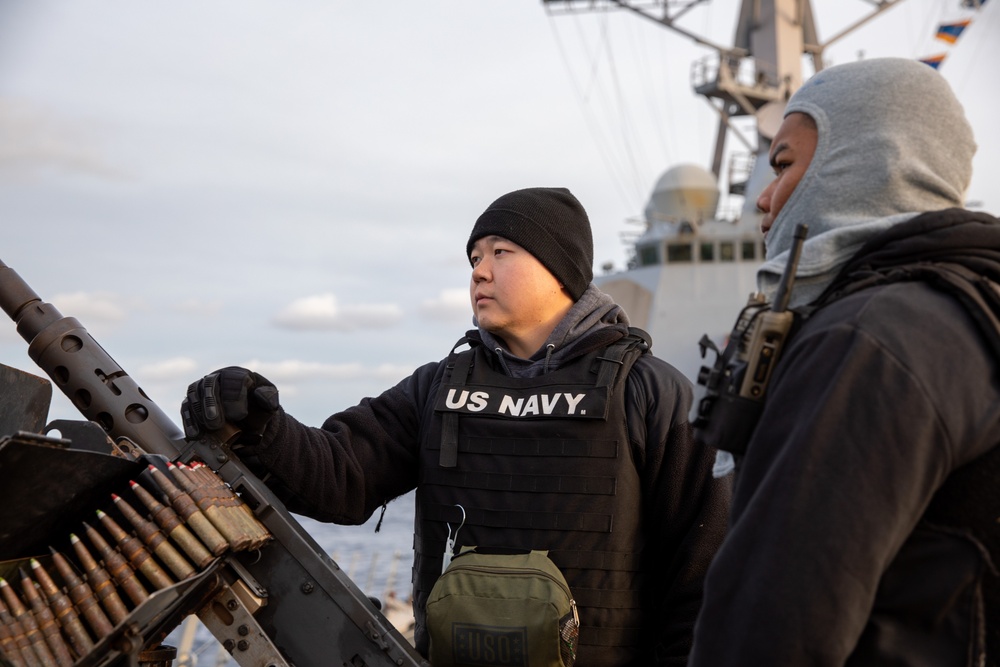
[[377, 562]]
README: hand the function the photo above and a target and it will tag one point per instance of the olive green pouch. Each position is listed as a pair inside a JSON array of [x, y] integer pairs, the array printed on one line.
[[514, 610]]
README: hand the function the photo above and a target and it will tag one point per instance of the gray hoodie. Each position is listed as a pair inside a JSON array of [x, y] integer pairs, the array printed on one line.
[[893, 141], [592, 312]]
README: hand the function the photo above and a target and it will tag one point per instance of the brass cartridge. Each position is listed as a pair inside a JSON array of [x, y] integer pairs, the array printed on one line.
[[64, 610], [46, 621], [157, 542], [9, 650], [185, 477], [83, 597], [188, 510], [232, 502], [21, 641], [167, 519], [29, 624], [135, 553], [117, 567], [234, 534], [101, 582]]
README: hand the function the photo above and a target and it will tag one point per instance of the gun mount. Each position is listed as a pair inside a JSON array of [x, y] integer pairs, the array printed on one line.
[[269, 593]]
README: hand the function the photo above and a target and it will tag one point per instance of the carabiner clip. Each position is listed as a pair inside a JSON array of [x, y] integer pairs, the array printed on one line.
[[449, 543]]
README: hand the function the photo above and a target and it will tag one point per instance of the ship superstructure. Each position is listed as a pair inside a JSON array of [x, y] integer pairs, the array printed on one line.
[[694, 265]]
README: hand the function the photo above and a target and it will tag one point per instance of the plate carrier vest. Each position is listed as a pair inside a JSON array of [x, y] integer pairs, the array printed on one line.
[[540, 463]]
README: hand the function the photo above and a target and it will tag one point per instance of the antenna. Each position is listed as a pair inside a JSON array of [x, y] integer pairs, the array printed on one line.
[[783, 294]]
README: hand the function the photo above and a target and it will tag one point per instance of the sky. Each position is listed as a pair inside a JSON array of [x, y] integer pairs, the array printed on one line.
[[290, 186]]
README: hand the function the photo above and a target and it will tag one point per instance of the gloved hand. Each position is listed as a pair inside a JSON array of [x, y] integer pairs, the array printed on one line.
[[235, 395]]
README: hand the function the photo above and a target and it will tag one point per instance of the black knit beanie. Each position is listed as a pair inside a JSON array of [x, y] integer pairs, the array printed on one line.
[[551, 224]]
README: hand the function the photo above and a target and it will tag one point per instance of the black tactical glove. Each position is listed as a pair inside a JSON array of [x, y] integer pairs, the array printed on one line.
[[235, 395]]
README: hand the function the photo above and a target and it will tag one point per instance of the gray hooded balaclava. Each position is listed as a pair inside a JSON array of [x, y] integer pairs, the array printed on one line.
[[893, 142]]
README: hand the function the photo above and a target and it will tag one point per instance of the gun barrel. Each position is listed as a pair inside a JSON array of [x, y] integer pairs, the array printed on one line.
[[95, 384], [16, 293]]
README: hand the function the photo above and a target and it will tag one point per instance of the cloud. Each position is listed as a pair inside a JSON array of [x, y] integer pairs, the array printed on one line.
[[32, 139], [177, 368], [451, 305], [322, 313], [293, 370], [101, 308]]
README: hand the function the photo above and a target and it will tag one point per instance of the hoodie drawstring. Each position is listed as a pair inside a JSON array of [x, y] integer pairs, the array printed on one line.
[[549, 349], [503, 362], [502, 358]]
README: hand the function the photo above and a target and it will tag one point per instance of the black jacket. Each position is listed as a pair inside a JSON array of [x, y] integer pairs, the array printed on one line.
[[850, 538], [369, 454]]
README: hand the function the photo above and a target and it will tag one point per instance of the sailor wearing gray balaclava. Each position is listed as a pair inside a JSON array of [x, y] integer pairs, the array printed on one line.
[[864, 515], [909, 151]]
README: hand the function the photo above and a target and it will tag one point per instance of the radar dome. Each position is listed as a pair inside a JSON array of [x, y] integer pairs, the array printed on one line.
[[684, 193]]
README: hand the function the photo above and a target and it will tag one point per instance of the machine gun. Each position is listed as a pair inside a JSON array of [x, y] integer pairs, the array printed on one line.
[[280, 602]]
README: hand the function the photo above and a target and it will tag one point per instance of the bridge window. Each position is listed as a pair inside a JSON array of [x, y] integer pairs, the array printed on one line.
[[707, 251], [648, 255], [727, 251], [749, 250], [679, 252]]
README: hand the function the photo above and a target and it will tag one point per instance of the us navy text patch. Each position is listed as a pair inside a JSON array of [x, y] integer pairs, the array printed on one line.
[[572, 401]]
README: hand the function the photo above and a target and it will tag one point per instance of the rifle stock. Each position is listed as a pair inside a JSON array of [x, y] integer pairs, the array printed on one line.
[[308, 610]]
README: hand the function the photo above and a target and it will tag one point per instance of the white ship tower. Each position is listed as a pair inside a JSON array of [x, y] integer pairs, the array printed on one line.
[[693, 271], [694, 265]]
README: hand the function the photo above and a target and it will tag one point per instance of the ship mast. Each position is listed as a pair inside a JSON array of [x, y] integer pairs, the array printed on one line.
[[752, 78]]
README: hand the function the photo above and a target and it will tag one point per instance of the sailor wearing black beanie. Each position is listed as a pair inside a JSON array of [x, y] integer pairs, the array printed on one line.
[[551, 224], [551, 423]]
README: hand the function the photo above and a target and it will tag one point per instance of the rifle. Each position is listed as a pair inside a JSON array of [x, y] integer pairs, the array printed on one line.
[[286, 603]]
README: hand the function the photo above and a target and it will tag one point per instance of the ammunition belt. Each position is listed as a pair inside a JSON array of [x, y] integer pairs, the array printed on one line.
[[67, 603]]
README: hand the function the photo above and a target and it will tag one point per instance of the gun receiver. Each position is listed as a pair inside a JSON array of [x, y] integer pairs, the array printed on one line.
[[304, 609], [737, 383]]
